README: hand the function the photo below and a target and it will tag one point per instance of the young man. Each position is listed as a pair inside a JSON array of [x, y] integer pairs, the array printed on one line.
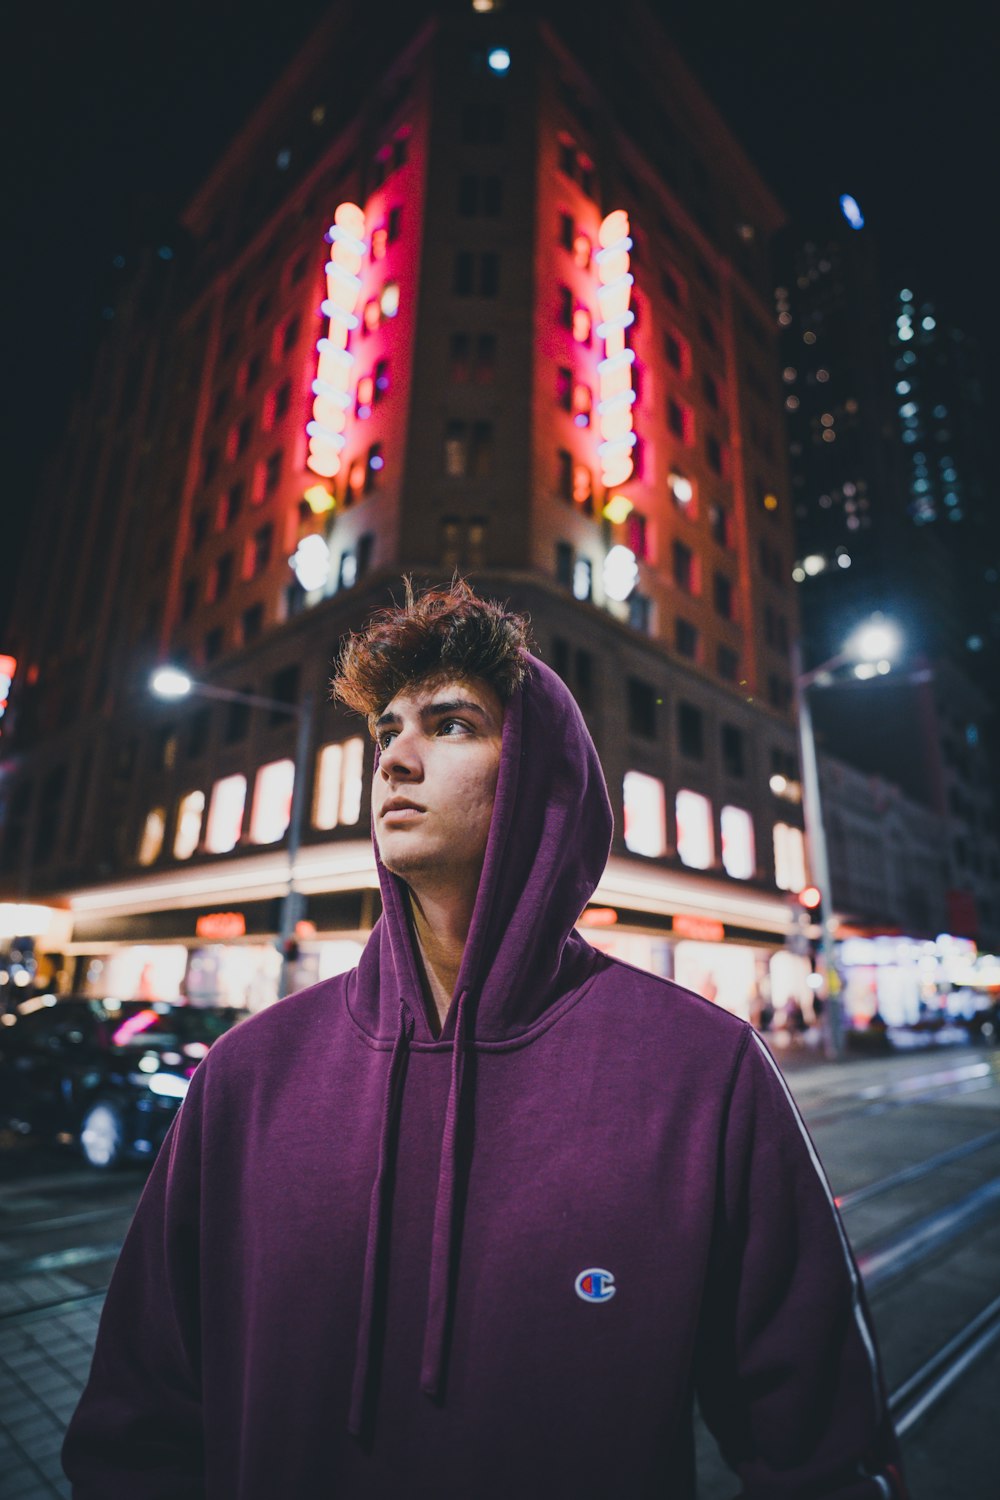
[[480, 1218]]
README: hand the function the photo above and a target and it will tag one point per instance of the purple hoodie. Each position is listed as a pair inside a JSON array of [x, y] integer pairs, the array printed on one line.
[[497, 1263]]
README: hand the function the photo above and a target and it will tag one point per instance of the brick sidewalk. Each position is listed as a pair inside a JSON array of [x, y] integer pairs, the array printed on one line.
[[44, 1362]]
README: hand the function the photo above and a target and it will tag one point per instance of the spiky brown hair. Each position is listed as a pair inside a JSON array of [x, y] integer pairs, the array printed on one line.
[[438, 633]]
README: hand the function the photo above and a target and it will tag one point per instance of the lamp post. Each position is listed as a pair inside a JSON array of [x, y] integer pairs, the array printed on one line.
[[871, 649], [172, 683]]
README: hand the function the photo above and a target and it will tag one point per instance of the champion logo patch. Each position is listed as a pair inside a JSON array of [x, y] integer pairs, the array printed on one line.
[[595, 1285]]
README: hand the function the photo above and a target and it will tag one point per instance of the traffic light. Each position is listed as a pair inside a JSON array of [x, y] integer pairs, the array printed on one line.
[[809, 898]]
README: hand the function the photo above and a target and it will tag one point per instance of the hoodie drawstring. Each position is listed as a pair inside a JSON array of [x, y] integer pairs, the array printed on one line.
[[443, 1238], [376, 1220]]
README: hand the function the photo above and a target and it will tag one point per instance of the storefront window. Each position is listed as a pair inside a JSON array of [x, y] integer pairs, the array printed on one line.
[[339, 784], [695, 841], [737, 843], [723, 972], [272, 801], [789, 858], [645, 814], [225, 814], [189, 815], [152, 835]]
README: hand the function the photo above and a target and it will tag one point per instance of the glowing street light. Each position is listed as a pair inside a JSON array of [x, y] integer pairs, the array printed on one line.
[[876, 643], [172, 683]]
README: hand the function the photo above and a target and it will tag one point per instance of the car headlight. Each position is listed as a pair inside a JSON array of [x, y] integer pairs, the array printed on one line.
[[168, 1084]]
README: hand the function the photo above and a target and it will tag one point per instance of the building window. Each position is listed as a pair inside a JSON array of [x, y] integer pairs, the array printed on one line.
[[459, 357], [456, 449], [220, 578], [640, 613], [463, 277], [779, 692], [708, 331], [189, 815], [789, 858], [583, 579], [723, 594], [733, 755], [738, 855], [339, 784], [230, 506], [581, 326], [395, 225], [489, 274], [727, 663], [289, 335], [564, 474], [189, 598], [641, 701], [151, 842], [225, 814], [238, 439], [564, 564], [486, 358], [373, 467], [271, 811], [637, 535], [565, 307], [257, 551], [672, 286], [645, 814], [695, 840], [686, 638], [582, 402], [252, 623], [214, 642], [272, 472], [710, 390], [678, 352], [583, 488], [713, 452], [685, 568], [564, 388], [691, 731], [720, 524], [680, 420], [582, 249]]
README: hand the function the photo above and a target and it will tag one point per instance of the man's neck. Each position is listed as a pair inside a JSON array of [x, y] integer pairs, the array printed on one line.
[[441, 924]]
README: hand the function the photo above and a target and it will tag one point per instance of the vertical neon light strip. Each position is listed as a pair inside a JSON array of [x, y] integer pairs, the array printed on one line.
[[332, 386], [615, 370]]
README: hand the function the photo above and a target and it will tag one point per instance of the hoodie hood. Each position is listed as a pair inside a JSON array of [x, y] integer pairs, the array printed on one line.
[[548, 844]]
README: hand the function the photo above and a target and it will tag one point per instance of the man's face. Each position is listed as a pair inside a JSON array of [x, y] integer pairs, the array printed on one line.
[[432, 797]]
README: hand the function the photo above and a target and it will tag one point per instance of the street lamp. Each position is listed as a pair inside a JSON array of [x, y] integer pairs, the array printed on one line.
[[172, 683], [871, 649]]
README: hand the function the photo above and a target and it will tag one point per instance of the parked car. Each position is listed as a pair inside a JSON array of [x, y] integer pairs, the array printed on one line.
[[106, 1076]]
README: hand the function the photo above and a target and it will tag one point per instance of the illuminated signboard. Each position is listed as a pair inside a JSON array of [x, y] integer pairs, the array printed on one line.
[[8, 666], [614, 409], [332, 386], [220, 924]]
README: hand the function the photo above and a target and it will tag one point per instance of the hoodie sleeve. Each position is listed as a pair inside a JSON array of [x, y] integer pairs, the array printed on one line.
[[787, 1373], [137, 1431]]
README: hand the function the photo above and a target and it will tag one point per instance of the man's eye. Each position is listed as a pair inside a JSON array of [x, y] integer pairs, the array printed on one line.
[[385, 738], [447, 724]]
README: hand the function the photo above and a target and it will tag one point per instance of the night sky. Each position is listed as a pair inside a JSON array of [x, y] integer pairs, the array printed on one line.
[[117, 110]]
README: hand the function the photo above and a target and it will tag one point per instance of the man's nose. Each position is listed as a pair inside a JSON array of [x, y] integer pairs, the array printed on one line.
[[401, 757]]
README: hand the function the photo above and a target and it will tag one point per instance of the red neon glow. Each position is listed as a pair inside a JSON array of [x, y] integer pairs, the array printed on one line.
[[132, 1026], [333, 374], [615, 370]]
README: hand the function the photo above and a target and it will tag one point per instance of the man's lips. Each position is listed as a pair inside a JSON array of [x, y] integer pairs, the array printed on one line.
[[399, 807]]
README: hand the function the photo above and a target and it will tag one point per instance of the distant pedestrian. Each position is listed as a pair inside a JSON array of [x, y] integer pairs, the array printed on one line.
[[478, 1219]]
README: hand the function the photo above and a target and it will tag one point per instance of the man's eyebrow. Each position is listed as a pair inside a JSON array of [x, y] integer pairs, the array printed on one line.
[[435, 710]]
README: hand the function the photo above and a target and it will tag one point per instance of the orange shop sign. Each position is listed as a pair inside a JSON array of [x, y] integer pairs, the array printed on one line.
[[700, 929], [221, 924]]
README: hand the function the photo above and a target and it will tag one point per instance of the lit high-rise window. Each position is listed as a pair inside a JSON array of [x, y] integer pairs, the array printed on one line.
[[789, 857], [645, 814], [189, 816], [738, 858], [225, 814], [339, 784], [695, 840], [152, 835], [272, 801]]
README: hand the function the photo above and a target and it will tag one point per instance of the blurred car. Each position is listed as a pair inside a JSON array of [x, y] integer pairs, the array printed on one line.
[[107, 1076]]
